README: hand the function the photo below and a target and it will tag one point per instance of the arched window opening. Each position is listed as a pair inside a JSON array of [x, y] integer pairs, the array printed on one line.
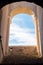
[[22, 31]]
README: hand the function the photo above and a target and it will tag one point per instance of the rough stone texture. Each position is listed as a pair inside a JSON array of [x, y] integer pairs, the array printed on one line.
[[29, 51], [1, 54], [21, 60]]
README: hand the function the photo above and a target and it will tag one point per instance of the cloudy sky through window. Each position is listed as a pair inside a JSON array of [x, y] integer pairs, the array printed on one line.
[[22, 31]]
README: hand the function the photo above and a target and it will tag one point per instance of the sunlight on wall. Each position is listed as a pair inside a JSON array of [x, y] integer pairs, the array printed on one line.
[[22, 31]]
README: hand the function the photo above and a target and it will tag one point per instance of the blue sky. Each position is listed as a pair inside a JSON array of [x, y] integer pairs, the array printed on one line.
[[22, 31]]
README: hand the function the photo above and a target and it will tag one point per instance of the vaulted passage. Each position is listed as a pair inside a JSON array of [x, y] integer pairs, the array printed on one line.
[[21, 33]]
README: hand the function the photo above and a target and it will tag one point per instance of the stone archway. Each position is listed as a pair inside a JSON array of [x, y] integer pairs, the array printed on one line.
[[30, 12], [21, 7]]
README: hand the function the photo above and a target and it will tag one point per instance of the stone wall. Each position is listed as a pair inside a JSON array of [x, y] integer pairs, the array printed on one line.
[[1, 54], [0, 23], [28, 51], [4, 25]]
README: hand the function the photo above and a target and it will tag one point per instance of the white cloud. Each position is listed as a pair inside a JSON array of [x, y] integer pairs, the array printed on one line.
[[21, 35], [14, 27]]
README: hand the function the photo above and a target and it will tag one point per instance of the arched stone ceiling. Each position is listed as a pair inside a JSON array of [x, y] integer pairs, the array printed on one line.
[[6, 2]]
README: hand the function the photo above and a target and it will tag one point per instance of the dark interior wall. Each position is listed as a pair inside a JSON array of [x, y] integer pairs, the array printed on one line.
[[1, 54], [3, 2], [0, 23]]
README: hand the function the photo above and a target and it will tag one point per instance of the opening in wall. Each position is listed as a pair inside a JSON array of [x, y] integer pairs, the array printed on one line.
[[22, 31]]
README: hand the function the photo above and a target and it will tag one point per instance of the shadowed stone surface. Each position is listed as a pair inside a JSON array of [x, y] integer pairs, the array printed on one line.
[[21, 60], [17, 55]]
